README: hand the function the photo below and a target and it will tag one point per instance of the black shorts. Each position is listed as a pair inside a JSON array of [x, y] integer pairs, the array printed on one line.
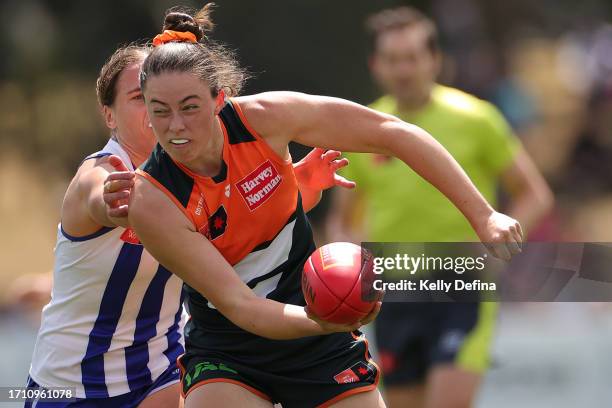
[[323, 378], [414, 337]]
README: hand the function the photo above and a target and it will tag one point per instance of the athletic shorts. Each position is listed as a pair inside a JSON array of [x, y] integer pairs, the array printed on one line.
[[326, 380], [130, 400], [414, 337]]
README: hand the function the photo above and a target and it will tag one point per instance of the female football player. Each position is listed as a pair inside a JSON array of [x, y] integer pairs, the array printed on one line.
[[113, 329], [217, 203]]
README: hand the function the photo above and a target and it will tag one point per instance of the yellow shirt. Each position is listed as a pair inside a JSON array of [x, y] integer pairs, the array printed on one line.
[[400, 205]]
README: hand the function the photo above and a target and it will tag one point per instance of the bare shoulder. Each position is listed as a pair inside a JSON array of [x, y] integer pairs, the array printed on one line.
[[149, 206], [288, 106], [274, 114], [146, 201], [270, 101]]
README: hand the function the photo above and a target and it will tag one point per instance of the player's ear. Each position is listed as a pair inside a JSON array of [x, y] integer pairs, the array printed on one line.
[[219, 101], [109, 117]]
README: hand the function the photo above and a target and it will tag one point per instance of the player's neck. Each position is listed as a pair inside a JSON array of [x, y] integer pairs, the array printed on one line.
[[136, 157], [137, 154]]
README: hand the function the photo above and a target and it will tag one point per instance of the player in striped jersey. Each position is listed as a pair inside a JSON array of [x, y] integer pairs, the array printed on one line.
[[217, 203], [113, 329]]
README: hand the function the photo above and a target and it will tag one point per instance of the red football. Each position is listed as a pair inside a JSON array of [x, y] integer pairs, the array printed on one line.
[[332, 283]]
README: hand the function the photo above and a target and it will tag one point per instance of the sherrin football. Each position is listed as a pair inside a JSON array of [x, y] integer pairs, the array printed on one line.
[[332, 283]]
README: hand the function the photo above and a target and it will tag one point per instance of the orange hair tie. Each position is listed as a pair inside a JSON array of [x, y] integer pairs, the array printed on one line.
[[170, 35]]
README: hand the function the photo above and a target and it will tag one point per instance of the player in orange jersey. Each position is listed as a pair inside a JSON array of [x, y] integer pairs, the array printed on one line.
[[116, 356], [217, 203]]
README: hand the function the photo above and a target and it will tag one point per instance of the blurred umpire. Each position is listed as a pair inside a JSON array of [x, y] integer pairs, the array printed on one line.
[[433, 354]]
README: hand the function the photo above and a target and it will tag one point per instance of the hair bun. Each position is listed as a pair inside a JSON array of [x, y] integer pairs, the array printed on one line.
[[178, 21]]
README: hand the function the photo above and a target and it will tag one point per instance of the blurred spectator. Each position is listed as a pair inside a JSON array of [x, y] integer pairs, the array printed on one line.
[[29, 293]]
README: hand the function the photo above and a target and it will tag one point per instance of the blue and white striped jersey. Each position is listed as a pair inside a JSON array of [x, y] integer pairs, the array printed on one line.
[[115, 320]]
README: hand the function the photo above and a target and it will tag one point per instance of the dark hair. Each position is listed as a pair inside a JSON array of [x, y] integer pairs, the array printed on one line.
[[114, 66], [209, 61], [398, 18]]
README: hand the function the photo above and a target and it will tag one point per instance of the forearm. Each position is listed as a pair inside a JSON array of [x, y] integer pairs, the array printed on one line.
[[427, 157], [310, 197], [91, 190], [98, 212], [273, 320], [232, 298], [96, 208]]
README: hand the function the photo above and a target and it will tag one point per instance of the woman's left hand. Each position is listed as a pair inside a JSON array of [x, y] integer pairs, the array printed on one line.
[[502, 235]]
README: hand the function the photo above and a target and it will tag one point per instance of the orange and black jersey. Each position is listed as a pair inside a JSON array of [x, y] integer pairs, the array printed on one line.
[[251, 212]]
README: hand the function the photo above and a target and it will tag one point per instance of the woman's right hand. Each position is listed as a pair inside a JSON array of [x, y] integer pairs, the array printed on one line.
[[329, 328], [117, 188]]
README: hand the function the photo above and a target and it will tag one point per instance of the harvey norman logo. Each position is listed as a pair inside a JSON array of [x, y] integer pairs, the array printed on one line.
[[259, 185]]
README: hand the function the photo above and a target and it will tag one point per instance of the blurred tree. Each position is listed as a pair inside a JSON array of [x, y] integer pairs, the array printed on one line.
[[53, 50]]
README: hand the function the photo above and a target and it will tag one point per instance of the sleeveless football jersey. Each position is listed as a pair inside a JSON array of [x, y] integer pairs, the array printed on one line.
[[252, 213], [114, 322]]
